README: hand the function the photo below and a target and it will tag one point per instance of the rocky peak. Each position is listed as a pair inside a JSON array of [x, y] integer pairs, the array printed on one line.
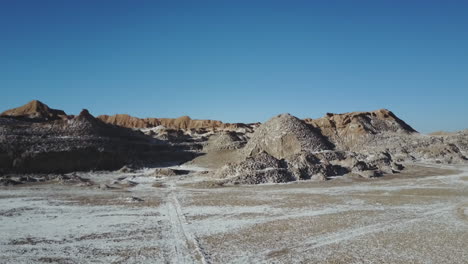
[[84, 114], [35, 110], [86, 123]]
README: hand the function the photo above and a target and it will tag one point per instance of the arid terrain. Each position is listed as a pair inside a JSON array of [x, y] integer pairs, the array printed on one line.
[[420, 216], [360, 187]]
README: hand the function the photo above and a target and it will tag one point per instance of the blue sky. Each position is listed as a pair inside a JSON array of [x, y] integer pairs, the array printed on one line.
[[239, 61]]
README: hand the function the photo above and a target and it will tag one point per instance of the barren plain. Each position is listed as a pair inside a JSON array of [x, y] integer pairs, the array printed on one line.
[[417, 216]]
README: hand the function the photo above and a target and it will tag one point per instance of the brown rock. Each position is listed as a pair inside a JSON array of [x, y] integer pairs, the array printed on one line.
[[344, 128], [181, 123], [35, 110]]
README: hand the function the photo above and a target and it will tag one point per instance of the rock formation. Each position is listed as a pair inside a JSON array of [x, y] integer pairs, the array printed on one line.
[[285, 135], [35, 138], [383, 131], [80, 143], [286, 149], [258, 168], [35, 110], [181, 123], [459, 139], [345, 129], [225, 140]]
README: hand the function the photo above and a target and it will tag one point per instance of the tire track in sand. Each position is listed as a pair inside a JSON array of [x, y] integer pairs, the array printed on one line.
[[349, 234], [186, 247]]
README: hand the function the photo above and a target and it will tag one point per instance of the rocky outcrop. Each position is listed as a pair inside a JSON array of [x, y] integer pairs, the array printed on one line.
[[264, 168], [80, 143], [414, 147], [345, 129], [225, 140], [181, 123], [35, 111], [287, 149], [460, 139], [258, 168], [382, 131]]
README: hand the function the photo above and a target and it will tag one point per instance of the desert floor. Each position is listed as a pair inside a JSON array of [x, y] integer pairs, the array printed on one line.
[[419, 216]]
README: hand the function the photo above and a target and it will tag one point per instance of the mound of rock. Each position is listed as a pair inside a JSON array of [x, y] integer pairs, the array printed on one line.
[[284, 136], [225, 140], [258, 168], [171, 135], [307, 166], [264, 168], [413, 147]]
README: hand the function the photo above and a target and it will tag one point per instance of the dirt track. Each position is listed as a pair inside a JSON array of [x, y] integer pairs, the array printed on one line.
[[420, 216]]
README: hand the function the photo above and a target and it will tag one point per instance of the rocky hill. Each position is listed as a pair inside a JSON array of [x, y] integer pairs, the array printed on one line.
[[285, 135], [35, 110], [368, 144], [76, 144], [344, 129], [286, 148], [383, 131]]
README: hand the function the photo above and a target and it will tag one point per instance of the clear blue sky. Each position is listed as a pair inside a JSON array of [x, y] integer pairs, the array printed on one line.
[[239, 61]]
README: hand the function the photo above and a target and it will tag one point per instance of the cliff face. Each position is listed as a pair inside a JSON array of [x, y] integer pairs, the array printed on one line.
[[77, 144], [181, 123], [128, 121]]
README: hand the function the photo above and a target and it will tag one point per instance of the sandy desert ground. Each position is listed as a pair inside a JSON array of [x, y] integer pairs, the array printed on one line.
[[419, 216]]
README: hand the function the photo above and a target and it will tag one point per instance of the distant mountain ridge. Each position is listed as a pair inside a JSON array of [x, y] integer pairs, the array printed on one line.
[[331, 125], [181, 123], [37, 138]]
